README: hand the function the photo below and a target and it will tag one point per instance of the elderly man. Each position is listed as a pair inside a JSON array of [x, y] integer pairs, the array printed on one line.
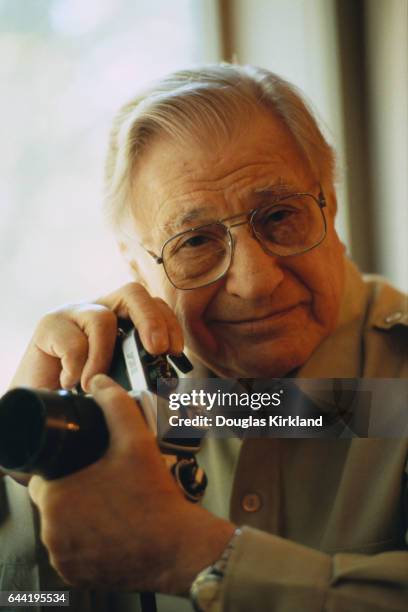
[[220, 187]]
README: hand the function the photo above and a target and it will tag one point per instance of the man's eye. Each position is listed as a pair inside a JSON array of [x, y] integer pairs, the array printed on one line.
[[195, 241], [278, 215]]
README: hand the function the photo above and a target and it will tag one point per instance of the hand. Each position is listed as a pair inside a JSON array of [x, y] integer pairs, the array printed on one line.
[[123, 522], [76, 342]]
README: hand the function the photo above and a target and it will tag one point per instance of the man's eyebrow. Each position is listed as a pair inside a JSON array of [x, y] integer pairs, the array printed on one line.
[[190, 217], [201, 215], [276, 188]]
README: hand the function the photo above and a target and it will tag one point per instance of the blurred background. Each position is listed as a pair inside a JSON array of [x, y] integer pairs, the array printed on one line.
[[67, 65]]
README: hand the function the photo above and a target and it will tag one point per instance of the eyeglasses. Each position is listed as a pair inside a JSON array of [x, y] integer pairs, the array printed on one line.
[[291, 225]]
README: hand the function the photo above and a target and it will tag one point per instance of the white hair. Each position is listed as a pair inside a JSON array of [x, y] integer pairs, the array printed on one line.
[[206, 99]]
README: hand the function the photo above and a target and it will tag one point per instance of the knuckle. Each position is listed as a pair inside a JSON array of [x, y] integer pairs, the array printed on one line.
[[173, 324], [111, 396], [132, 290], [91, 309], [134, 286], [76, 345], [104, 319], [72, 313], [165, 308], [80, 311], [48, 321], [153, 320], [65, 311], [161, 302]]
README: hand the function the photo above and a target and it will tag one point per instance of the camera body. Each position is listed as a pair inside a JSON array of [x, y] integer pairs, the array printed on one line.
[[56, 433]]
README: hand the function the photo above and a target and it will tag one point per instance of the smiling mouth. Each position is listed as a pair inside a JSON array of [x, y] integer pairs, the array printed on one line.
[[258, 320]]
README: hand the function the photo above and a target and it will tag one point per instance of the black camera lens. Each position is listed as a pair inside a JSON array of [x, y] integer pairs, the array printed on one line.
[[22, 428], [50, 433]]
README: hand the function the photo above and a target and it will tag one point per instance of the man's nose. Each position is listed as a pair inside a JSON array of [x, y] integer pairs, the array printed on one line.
[[253, 272]]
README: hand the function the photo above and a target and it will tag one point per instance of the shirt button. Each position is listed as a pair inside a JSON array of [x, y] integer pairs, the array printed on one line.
[[393, 317], [251, 502]]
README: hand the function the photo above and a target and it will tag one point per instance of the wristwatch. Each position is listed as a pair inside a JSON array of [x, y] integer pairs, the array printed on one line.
[[205, 592]]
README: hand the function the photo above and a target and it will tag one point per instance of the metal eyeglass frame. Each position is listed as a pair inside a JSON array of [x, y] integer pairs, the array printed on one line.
[[249, 218]]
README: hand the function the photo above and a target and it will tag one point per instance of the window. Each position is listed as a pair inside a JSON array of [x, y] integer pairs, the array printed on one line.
[[66, 67]]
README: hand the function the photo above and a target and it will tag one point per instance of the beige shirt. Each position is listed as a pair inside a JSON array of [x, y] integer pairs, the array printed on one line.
[[325, 519], [329, 520]]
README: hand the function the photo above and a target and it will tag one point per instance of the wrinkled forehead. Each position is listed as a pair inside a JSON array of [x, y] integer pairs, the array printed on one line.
[[207, 175]]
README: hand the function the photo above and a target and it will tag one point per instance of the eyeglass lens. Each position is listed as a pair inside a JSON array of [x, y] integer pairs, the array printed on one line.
[[200, 256], [290, 227]]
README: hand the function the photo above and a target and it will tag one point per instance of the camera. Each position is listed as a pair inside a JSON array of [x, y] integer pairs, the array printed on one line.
[[55, 433]]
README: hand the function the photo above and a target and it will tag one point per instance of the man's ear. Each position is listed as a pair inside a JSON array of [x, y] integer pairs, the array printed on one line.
[[132, 264], [142, 267], [331, 199]]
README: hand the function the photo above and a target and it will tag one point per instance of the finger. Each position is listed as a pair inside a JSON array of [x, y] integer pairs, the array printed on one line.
[[60, 353], [36, 488], [100, 326], [37, 369], [123, 416], [61, 338], [134, 302], [19, 477], [176, 338]]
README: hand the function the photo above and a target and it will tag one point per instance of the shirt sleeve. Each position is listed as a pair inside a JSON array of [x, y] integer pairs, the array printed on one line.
[[272, 574]]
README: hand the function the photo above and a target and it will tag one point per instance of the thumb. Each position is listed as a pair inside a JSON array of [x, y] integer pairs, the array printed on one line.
[[122, 413]]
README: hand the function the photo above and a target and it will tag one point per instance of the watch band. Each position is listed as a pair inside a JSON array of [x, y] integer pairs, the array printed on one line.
[[205, 592]]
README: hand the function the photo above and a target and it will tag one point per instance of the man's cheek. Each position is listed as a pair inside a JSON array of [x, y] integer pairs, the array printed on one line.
[[201, 338]]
